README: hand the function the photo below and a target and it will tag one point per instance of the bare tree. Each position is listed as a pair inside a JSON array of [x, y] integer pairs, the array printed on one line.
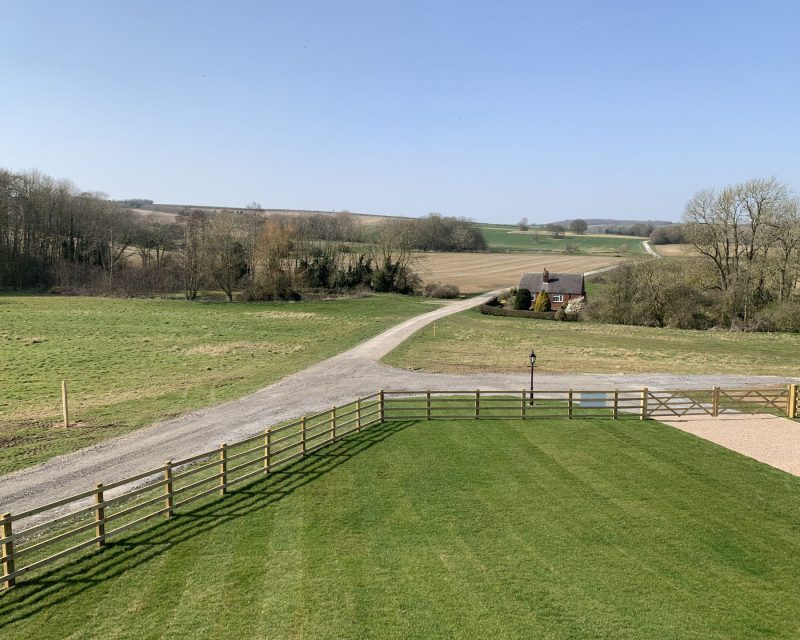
[[556, 230], [523, 224], [578, 226], [192, 223], [744, 230], [225, 253]]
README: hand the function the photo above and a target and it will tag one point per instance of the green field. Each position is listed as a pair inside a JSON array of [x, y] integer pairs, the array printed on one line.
[[471, 342], [586, 529], [132, 362], [510, 239]]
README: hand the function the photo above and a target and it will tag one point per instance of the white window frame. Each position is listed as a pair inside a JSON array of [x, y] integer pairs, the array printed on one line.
[[558, 297]]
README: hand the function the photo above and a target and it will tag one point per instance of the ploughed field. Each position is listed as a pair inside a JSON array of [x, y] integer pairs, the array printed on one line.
[[477, 272], [132, 362], [469, 342], [446, 529]]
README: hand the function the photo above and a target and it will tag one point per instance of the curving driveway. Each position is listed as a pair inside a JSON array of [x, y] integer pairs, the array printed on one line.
[[335, 381]]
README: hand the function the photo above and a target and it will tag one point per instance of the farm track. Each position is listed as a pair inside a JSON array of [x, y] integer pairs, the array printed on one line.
[[335, 381]]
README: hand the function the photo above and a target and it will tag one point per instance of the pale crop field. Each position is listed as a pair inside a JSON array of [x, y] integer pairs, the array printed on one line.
[[476, 272], [669, 250]]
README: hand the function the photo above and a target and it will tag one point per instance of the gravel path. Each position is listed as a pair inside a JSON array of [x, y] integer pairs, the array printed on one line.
[[335, 381], [768, 439], [650, 250]]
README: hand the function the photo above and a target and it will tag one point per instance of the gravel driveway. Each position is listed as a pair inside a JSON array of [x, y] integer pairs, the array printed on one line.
[[335, 381]]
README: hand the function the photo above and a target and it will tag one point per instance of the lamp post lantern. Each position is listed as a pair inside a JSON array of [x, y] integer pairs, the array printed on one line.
[[533, 365]]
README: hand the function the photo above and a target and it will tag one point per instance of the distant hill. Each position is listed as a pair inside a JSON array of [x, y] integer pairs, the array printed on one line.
[[613, 222], [171, 210]]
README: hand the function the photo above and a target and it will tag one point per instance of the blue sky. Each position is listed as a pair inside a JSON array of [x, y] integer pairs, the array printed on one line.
[[491, 110]]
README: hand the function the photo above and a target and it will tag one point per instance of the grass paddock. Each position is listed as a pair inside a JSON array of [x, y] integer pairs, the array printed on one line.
[[502, 529], [129, 363], [470, 342]]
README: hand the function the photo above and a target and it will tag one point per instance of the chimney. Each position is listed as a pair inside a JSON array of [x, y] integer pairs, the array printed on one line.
[[545, 276]]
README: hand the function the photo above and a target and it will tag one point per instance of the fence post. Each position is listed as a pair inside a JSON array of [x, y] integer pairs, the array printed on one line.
[[303, 434], [616, 404], [569, 405], [267, 442], [99, 516], [477, 403], [64, 402], [333, 424], [8, 551], [792, 408], [168, 488], [223, 468], [428, 404], [522, 405], [382, 401], [644, 403], [715, 401], [358, 415]]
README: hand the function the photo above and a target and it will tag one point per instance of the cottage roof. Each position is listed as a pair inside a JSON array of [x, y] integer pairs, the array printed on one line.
[[556, 283]]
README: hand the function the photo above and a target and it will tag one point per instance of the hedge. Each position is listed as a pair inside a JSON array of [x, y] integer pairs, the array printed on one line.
[[493, 308]]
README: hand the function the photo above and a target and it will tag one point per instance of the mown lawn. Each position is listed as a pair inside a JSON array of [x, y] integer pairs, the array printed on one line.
[[506, 238], [469, 342], [132, 362], [581, 529]]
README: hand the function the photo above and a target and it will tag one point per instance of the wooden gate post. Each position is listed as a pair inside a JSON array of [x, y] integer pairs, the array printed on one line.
[[8, 551], [99, 516], [616, 404], [382, 406], [428, 404], [477, 403], [223, 468], [792, 404], [715, 402], [303, 435], [645, 391], [267, 442], [333, 424], [358, 415], [522, 405], [569, 405], [168, 489]]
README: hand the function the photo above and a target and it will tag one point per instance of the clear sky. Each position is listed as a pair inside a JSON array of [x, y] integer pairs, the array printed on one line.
[[491, 110]]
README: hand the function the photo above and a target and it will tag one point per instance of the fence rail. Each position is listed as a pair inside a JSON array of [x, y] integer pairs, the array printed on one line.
[[94, 516]]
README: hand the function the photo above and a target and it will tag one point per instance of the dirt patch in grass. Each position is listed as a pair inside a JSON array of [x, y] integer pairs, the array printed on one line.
[[231, 347], [285, 315]]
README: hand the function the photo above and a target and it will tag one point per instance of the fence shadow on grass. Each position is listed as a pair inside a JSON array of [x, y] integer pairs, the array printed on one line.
[[115, 558]]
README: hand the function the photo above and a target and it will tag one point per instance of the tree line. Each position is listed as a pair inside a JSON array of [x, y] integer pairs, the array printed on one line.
[[55, 237], [746, 277]]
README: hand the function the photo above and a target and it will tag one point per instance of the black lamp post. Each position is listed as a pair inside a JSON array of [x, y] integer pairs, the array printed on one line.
[[533, 364]]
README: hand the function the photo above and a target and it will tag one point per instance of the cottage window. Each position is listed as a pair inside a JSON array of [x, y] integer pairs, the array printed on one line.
[[557, 297]]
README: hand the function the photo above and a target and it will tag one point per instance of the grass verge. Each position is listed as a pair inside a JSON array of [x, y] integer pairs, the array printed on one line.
[[469, 342], [505, 529], [129, 363]]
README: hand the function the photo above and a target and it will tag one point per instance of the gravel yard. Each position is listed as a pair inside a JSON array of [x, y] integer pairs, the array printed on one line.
[[769, 439]]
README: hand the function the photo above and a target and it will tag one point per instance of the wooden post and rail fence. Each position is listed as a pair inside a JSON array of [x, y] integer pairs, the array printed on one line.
[[31, 539]]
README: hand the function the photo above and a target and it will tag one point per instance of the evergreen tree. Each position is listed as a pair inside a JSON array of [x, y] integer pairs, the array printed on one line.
[[542, 302]]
